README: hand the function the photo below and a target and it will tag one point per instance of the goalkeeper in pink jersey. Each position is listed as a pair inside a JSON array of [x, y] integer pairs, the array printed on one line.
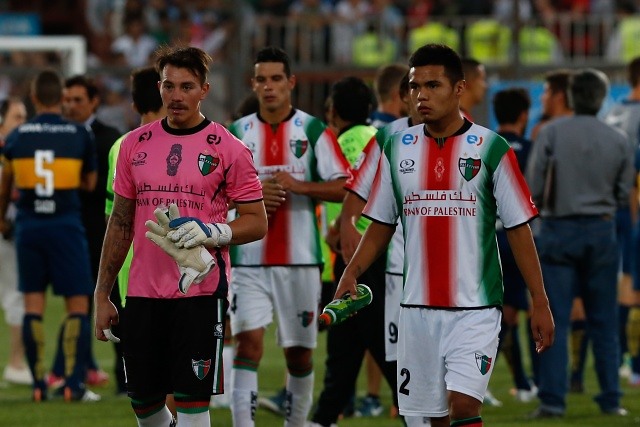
[[447, 180], [175, 309]]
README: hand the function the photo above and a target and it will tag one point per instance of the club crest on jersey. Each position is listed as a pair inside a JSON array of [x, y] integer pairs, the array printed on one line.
[[469, 168], [207, 163], [201, 367], [145, 136], [483, 362], [298, 147], [306, 317]]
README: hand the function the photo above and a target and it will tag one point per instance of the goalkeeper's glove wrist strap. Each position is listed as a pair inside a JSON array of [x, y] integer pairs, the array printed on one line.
[[223, 231]]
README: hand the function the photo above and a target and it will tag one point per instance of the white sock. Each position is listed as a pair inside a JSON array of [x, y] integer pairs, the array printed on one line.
[[194, 420], [300, 393], [244, 397], [160, 418], [227, 365], [417, 421]]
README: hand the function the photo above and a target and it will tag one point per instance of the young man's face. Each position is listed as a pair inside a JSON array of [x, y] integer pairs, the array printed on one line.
[[478, 84], [76, 104], [181, 94], [272, 86], [15, 116], [432, 94]]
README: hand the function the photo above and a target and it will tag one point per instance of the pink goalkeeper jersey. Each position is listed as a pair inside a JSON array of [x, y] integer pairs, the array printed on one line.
[[361, 179], [303, 146], [200, 170], [448, 197]]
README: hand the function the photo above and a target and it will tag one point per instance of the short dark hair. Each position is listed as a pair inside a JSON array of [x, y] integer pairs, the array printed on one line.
[[558, 80], [47, 88], [144, 90], [80, 80], [633, 71], [352, 99], [387, 80], [470, 67], [587, 90], [404, 85], [439, 54], [274, 54], [193, 59], [509, 104]]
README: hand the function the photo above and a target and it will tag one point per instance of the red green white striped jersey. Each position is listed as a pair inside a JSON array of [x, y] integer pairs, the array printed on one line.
[[363, 174], [448, 193], [303, 146]]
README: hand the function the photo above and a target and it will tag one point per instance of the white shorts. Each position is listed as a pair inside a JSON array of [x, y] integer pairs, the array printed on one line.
[[12, 300], [393, 296], [441, 351], [292, 292]]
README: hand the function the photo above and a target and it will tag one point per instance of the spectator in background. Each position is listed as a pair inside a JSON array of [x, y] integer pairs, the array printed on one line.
[[475, 76], [134, 47], [580, 171], [349, 20], [80, 101], [511, 108], [554, 98], [386, 85], [12, 114]]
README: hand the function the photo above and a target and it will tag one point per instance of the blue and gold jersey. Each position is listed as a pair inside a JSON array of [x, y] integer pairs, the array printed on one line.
[[48, 156]]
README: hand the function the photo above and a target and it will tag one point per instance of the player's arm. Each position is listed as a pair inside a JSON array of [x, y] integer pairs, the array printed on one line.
[[251, 223], [6, 183], [524, 251], [373, 244], [117, 240], [349, 235], [88, 181], [328, 191]]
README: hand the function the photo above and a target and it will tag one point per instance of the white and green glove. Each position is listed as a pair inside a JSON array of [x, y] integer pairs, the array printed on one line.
[[194, 263], [189, 232]]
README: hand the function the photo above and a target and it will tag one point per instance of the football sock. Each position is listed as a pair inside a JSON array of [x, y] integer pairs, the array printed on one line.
[[299, 398], [152, 413], [623, 312], [58, 361], [193, 411], [75, 341], [633, 332], [244, 396], [227, 366], [468, 422], [33, 338], [417, 421]]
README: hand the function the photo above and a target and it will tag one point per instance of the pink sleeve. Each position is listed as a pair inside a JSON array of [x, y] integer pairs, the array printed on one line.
[[243, 184]]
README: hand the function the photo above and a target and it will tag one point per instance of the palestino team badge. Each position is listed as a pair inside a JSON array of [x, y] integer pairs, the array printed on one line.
[[469, 168], [483, 362], [306, 317], [201, 367], [207, 163], [298, 147]]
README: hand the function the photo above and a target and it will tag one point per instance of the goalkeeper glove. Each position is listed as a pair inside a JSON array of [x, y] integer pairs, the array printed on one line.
[[194, 263], [189, 232]]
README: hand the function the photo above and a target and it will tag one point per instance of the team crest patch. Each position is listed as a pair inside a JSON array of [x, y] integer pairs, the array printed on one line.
[[218, 330], [469, 168], [484, 363], [298, 147], [207, 163], [201, 367], [306, 317]]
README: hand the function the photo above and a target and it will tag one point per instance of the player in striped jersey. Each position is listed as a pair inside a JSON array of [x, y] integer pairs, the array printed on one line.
[[281, 273], [50, 160], [447, 180]]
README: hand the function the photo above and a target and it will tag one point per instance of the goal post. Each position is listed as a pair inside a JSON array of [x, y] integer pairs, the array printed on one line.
[[73, 49]]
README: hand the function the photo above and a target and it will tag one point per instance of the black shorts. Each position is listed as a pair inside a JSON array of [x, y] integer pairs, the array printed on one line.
[[174, 345]]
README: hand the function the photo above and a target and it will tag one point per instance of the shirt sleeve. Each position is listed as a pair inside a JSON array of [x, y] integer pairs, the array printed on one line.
[[331, 162], [122, 179], [364, 170], [113, 157], [382, 206], [243, 184], [515, 205], [538, 164]]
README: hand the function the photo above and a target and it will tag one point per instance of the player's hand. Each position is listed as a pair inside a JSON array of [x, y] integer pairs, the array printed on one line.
[[542, 325], [273, 195], [346, 285], [189, 232], [333, 239], [194, 263], [105, 315], [288, 182]]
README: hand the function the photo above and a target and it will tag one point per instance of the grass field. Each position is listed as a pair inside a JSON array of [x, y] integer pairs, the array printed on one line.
[[16, 409]]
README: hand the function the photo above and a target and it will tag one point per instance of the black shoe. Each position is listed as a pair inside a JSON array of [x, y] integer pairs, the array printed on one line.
[[541, 413]]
